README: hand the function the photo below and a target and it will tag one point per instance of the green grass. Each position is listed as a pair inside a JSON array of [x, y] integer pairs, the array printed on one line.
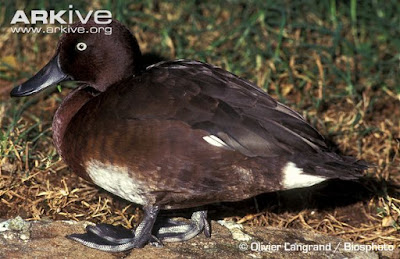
[[236, 35]]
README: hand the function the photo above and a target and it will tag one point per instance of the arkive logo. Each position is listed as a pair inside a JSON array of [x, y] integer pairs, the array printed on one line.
[[51, 16]]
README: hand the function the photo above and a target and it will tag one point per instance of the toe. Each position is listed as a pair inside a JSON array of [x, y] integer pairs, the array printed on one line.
[[112, 234]]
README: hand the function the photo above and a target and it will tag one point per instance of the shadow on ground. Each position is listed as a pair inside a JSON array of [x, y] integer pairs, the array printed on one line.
[[327, 196]]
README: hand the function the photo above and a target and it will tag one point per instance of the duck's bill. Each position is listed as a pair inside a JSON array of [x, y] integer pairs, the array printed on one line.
[[49, 75]]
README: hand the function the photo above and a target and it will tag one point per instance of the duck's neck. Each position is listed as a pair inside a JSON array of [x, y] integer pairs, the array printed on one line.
[[71, 104]]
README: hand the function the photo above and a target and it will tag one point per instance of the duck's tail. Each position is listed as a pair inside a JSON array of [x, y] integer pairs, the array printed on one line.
[[334, 166]]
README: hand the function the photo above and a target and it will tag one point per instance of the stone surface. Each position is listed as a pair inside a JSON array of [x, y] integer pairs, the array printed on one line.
[[46, 239]]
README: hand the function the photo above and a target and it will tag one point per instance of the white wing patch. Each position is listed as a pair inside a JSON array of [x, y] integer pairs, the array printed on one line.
[[294, 177], [215, 141]]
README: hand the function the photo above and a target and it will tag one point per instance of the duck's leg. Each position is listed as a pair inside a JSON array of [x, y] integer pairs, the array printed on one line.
[[167, 230], [115, 239], [107, 238], [177, 231]]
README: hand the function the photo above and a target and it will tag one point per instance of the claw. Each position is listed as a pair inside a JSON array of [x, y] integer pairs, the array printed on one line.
[[155, 241]]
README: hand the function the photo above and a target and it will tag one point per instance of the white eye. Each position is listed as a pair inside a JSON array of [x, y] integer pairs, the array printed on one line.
[[81, 46]]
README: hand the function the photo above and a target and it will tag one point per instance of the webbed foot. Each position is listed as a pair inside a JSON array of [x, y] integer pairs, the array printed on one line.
[[109, 238], [178, 231]]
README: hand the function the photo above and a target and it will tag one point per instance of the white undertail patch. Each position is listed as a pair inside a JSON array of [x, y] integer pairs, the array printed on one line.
[[117, 180], [215, 141], [294, 177]]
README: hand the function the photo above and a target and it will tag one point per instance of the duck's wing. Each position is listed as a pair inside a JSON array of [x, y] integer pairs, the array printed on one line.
[[235, 113]]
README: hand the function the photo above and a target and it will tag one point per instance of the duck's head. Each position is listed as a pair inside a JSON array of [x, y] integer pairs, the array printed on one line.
[[96, 59]]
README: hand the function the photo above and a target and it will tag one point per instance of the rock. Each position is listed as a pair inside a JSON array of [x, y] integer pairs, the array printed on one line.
[[46, 239]]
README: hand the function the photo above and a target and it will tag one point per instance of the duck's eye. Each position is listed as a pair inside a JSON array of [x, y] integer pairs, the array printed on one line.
[[81, 46]]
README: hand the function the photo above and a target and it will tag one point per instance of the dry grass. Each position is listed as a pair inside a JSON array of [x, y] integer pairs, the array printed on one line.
[[331, 67]]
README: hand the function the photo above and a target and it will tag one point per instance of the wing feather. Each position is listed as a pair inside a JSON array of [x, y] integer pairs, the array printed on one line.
[[211, 99]]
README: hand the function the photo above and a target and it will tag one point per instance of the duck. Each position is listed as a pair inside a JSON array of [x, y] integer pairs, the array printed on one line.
[[173, 135]]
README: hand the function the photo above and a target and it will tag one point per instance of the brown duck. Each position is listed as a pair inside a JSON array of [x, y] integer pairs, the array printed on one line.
[[172, 135]]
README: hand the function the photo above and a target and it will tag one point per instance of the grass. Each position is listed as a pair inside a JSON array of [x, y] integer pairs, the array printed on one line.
[[337, 62]]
